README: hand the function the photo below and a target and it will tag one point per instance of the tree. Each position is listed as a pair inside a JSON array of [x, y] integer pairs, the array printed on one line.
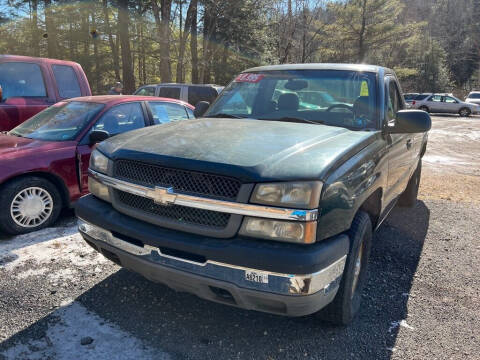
[[364, 26], [123, 31]]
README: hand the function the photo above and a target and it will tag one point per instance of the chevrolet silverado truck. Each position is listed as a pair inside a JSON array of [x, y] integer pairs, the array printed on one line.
[[261, 203]]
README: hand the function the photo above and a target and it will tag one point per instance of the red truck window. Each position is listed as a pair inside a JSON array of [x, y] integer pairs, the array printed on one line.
[[67, 82], [19, 79]]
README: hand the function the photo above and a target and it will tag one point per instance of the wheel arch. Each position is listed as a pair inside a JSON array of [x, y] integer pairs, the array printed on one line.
[[372, 205], [54, 179]]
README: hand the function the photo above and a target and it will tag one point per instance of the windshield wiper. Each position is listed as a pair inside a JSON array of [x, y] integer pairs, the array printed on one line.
[[223, 115], [296, 119]]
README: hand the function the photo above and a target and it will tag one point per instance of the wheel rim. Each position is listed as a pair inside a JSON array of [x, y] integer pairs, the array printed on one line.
[[464, 112], [357, 269], [31, 207]]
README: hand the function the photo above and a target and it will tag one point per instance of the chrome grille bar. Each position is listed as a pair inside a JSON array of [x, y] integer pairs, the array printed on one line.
[[167, 196]]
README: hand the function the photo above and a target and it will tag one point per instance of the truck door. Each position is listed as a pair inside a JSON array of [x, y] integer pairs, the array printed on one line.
[[401, 146], [24, 92]]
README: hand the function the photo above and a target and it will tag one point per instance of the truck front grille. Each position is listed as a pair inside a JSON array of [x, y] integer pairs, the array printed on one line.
[[180, 214], [190, 182]]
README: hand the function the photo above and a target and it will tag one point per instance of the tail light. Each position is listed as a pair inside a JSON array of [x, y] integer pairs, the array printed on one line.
[[413, 102]]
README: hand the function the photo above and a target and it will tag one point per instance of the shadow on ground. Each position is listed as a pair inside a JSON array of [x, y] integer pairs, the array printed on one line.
[[188, 327]]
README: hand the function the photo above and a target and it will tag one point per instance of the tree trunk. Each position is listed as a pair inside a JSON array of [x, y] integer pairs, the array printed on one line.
[[98, 77], [123, 30], [183, 40], [162, 20], [35, 32], [193, 41], [51, 31], [113, 47]]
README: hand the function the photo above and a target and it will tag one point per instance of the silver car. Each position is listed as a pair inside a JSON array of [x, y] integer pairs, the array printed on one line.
[[444, 103], [473, 98]]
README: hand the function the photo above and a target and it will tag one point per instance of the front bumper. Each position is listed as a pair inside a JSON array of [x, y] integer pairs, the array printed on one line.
[[284, 294], [250, 288]]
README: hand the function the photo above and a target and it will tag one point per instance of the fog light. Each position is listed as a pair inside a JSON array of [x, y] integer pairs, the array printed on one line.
[[98, 189], [288, 231]]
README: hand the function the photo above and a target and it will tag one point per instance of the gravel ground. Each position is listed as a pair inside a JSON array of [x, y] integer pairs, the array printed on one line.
[[422, 300]]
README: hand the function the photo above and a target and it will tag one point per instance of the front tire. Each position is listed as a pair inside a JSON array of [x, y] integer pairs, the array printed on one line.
[[465, 112], [28, 204], [346, 304]]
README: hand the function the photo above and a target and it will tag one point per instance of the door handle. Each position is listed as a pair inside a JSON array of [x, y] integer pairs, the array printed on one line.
[[409, 144]]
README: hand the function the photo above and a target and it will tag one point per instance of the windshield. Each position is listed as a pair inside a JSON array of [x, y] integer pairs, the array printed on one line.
[[60, 122], [331, 97]]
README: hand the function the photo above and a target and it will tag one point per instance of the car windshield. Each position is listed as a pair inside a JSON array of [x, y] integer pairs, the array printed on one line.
[[331, 97], [474, 96], [60, 122]]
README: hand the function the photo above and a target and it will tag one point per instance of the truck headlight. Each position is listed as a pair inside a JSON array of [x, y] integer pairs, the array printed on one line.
[[287, 231], [99, 162], [98, 189], [299, 195]]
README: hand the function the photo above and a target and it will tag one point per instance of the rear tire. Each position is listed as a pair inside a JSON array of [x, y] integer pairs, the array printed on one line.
[[346, 304], [409, 196], [424, 108], [465, 112], [28, 204]]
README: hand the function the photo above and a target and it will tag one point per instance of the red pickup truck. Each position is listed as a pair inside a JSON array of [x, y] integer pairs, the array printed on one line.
[[29, 85]]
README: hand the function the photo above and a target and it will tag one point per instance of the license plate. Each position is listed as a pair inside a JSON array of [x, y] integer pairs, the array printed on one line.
[[256, 276]]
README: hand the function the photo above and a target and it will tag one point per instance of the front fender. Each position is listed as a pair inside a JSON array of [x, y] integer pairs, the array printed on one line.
[[349, 186]]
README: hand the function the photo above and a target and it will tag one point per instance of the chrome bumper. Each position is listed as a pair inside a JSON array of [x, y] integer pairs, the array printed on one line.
[[323, 281]]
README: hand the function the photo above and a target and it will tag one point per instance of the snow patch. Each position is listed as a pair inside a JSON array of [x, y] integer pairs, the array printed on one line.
[[401, 323], [62, 340], [48, 245], [32, 272]]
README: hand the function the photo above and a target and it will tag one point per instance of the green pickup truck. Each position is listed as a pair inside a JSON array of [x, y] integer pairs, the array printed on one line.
[[262, 203]]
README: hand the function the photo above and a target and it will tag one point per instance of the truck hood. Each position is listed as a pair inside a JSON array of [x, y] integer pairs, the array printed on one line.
[[252, 150], [16, 147]]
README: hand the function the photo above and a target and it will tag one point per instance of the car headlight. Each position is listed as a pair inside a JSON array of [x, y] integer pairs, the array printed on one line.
[[99, 162], [98, 189], [298, 195], [287, 231]]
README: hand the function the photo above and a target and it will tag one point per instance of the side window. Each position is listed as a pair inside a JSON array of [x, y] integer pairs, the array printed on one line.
[[67, 82], [165, 112], [121, 118], [435, 98], [393, 103], [201, 93], [450, 100], [20, 79], [146, 91], [170, 92]]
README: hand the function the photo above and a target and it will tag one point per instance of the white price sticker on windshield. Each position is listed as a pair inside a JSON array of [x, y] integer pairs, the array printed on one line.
[[256, 276]]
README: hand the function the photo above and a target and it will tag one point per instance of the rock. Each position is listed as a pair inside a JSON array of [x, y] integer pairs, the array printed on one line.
[[87, 340]]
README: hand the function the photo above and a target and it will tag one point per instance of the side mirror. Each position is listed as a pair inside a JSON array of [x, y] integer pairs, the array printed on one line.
[[411, 121], [201, 108], [97, 136]]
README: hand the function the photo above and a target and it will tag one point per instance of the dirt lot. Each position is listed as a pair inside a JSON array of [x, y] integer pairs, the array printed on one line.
[[422, 300]]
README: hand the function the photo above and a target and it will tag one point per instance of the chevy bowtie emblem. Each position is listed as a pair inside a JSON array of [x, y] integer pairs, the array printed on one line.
[[162, 195]]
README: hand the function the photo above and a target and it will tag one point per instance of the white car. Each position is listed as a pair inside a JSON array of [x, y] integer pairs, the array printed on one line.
[[444, 103], [473, 98]]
